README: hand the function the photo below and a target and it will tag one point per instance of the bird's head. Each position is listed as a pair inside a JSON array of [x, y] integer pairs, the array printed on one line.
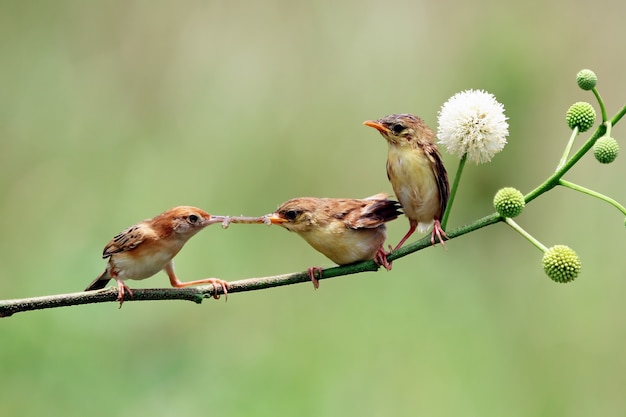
[[402, 129], [185, 220], [296, 215]]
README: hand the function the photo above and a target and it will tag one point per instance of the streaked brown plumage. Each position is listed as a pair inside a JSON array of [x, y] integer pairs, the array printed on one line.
[[416, 172], [144, 249], [344, 230]]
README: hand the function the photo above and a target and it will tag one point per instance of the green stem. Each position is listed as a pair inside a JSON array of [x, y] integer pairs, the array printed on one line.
[[524, 233], [600, 103], [9, 307], [455, 186], [592, 193], [553, 180], [568, 148], [424, 242]]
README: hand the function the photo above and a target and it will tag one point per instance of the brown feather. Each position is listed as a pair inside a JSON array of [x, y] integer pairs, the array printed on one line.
[[345, 230], [441, 176], [416, 172]]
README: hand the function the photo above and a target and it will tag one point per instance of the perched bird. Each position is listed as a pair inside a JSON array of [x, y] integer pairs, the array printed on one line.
[[416, 172], [345, 230], [146, 248]]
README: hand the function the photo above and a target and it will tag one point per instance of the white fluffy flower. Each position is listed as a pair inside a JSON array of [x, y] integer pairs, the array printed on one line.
[[473, 122]]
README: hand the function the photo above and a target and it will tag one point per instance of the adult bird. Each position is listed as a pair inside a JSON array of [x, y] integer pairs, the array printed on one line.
[[416, 172]]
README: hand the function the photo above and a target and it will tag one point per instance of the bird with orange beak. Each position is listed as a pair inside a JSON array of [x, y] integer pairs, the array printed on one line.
[[416, 172], [344, 230]]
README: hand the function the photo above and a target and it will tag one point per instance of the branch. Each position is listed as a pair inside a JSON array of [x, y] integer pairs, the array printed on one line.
[[199, 293]]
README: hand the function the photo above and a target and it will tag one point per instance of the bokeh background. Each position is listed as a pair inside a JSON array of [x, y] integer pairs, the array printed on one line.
[[111, 112]]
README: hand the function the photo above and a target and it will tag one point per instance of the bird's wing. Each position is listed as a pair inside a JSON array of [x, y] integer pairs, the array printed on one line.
[[371, 213], [127, 240], [379, 196], [441, 176]]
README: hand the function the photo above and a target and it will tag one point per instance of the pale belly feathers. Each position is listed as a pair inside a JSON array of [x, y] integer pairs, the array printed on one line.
[[353, 246], [414, 185], [138, 266]]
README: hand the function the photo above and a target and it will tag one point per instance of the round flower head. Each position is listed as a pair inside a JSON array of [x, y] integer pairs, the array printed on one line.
[[605, 150], [561, 263], [586, 79], [473, 122], [509, 202], [581, 115]]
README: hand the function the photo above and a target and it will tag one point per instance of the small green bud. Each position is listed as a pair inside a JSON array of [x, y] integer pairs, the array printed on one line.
[[605, 150], [561, 263], [586, 79], [580, 114], [509, 202]]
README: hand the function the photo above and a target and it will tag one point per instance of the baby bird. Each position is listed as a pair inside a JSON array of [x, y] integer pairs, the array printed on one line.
[[345, 230], [416, 172], [146, 248]]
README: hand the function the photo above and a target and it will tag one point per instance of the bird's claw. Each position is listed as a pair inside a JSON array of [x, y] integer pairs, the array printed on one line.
[[121, 289], [440, 233], [220, 283], [381, 258], [312, 271]]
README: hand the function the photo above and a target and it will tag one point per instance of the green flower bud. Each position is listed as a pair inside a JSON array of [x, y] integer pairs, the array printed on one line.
[[561, 263], [580, 114], [605, 150], [509, 202], [586, 79]]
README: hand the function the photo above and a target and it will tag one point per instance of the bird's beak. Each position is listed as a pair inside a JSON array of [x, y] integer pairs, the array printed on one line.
[[377, 125], [275, 218], [215, 219]]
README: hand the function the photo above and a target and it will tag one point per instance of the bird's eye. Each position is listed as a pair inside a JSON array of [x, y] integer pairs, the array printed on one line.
[[193, 219], [291, 214], [397, 128]]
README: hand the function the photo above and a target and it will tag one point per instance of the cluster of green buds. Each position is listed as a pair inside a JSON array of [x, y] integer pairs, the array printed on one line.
[[605, 149], [581, 115], [560, 262]]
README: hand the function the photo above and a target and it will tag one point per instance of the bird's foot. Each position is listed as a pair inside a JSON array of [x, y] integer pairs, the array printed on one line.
[[381, 258], [439, 233], [219, 283], [312, 271], [121, 290], [216, 282]]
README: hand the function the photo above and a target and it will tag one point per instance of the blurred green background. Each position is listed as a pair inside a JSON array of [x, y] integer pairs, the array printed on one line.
[[111, 112]]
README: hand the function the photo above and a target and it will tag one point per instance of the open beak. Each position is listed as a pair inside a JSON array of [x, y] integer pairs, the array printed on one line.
[[275, 218], [377, 125]]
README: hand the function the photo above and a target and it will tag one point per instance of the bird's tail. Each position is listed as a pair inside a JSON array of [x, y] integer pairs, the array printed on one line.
[[99, 282], [378, 212], [385, 210]]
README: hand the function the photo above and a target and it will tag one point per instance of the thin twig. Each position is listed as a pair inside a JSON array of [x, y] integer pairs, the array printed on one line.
[[199, 293]]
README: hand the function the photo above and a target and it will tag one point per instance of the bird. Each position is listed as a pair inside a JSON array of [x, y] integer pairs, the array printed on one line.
[[148, 247], [344, 230], [416, 171]]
